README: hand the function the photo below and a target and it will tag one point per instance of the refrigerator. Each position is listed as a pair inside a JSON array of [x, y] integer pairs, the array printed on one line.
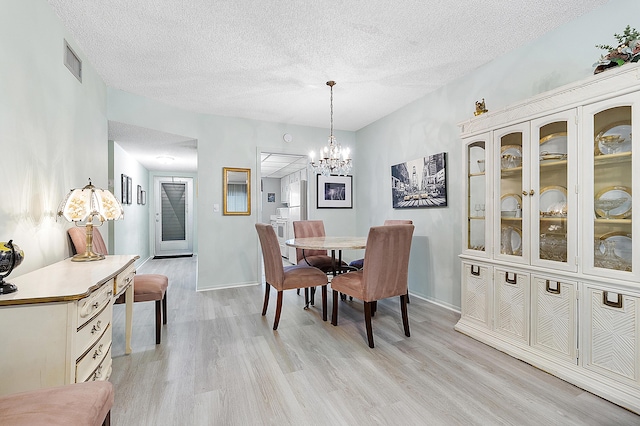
[[297, 211]]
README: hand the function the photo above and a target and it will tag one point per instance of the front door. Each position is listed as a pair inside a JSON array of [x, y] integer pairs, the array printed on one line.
[[173, 216]]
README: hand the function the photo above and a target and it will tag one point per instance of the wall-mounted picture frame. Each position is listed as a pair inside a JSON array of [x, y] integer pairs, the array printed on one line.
[[271, 197], [143, 197], [420, 183], [124, 188], [139, 195], [334, 192], [129, 190]]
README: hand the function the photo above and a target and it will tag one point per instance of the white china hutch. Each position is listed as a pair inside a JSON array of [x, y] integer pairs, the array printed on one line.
[[551, 253]]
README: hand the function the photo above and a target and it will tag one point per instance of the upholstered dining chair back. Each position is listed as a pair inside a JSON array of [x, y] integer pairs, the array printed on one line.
[[359, 263], [386, 262], [78, 236], [305, 229], [273, 268], [398, 222]]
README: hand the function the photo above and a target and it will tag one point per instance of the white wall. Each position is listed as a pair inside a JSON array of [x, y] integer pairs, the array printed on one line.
[[429, 126], [228, 245], [53, 130], [131, 234]]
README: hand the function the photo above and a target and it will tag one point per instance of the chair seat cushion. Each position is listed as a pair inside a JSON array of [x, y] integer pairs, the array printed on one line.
[[301, 276], [148, 287], [322, 262], [77, 404], [350, 284]]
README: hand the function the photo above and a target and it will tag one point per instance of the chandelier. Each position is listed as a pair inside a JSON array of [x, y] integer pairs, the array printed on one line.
[[332, 158]]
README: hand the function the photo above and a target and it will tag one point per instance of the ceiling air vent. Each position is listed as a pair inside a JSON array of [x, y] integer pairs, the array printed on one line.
[[72, 61]]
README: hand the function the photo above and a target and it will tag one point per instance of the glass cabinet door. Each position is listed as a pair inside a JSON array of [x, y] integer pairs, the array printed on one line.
[[511, 202], [608, 133], [476, 230], [553, 183]]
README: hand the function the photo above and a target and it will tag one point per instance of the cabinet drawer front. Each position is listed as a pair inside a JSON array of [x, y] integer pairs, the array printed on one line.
[[512, 304], [92, 330], [102, 371], [123, 279], [613, 341], [476, 293], [92, 304], [553, 318], [86, 365]]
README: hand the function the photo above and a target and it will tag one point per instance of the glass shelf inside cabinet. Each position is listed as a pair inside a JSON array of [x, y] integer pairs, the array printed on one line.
[[552, 198], [612, 184], [476, 186]]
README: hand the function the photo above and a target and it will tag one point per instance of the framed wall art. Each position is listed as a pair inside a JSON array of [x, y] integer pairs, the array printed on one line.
[[139, 195], [124, 188], [334, 192], [420, 183], [143, 197]]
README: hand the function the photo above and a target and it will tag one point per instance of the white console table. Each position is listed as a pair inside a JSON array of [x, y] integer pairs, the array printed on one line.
[[56, 329]]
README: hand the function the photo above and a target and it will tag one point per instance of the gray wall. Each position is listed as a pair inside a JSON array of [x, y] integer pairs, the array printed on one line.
[[270, 185]]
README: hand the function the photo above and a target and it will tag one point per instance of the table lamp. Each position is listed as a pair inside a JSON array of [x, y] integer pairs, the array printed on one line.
[[82, 205]]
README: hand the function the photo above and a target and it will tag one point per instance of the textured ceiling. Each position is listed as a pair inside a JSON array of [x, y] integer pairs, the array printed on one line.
[[269, 60]]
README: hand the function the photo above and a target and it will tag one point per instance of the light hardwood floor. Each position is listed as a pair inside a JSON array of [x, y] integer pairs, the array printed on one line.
[[220, 363]]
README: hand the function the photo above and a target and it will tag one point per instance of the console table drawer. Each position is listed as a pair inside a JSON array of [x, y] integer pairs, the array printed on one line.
[[93, 303], [103, 371], [123, 279], [94, 357], [92, 330]]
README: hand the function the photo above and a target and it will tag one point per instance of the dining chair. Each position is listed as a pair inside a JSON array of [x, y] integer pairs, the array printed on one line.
[[146, 287], [285, 278], [359, 263], [316, 258], [384, 274]]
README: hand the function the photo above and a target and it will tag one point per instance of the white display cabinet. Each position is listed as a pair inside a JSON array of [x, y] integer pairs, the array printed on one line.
[[551, 265]]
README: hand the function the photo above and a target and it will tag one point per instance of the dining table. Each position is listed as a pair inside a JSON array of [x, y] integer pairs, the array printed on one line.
[[333, 243]]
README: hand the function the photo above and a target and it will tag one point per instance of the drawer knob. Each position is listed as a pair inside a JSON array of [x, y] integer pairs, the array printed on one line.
[[96, 327], [95, 305], [98, 352]]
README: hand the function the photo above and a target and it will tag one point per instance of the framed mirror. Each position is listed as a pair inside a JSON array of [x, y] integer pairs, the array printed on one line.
[[236, 191]]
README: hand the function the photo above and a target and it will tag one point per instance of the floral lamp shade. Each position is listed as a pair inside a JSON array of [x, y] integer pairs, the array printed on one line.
[[82, 205]]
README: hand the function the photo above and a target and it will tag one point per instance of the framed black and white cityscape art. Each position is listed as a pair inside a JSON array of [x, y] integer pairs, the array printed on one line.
[[420, 183], [334, 192]]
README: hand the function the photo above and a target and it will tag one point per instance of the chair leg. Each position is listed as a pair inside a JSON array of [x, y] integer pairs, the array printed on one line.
[[267, 287], [334, 313], [374, 308], [278, 309], [324, 303], [313, 296], [367, 321], [107, 419], [164, 308], [158, 321], [408, 297], [306, 298], [405, 318]]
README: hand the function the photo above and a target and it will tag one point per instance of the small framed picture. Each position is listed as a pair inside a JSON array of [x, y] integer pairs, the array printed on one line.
[[124, 188], [143, 197], [271, 197], [334, 192], [129, 190], [139, 195]]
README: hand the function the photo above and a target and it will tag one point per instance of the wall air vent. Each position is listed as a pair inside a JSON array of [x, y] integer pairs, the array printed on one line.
[[72, 61]]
